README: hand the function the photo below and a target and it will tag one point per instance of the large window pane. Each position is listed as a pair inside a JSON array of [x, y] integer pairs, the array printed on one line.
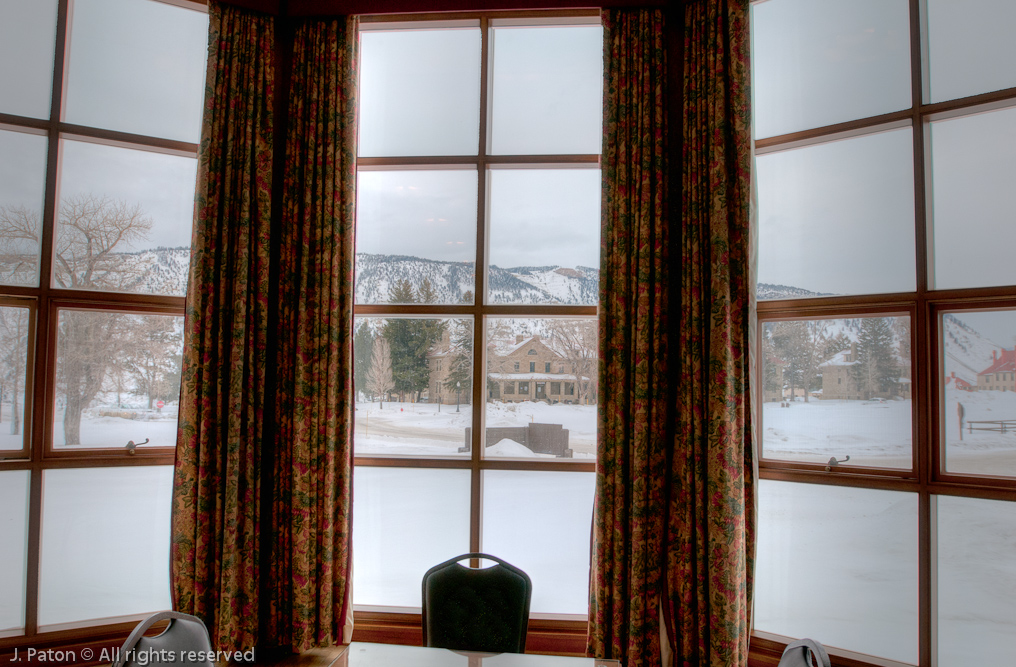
[[22, 185], [405, 521], [820, 62], [837, 218], [841, 564], [105, 543], [976, 581], [124, 221], [137, 66], [544, 236], [413, 379], [979, 391], [838, 389], [970, 47], [420, 227], [27, 45], [540, 522], [541, 388], [13, 548], [14, 342], [419, 92], [547, 90], [117, 378], [973, 167]]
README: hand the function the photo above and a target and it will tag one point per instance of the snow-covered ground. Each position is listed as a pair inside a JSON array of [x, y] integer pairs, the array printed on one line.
[[840, 564], [429, 429]]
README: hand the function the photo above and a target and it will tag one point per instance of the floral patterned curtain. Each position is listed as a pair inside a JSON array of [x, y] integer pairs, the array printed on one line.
[[674, 516], [215, 547], [629, 514], [313, 466], [710, 547]]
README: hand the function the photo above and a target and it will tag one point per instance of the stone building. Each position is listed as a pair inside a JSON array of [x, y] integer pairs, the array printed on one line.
[[840, 382], [529, 370]]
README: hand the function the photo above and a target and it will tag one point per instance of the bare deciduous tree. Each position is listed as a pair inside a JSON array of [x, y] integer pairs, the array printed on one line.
[[93, 233], [379, 378], [577, 342]]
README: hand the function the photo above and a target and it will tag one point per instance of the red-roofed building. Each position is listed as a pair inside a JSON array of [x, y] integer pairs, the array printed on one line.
[[1001, 374], [957, 382]]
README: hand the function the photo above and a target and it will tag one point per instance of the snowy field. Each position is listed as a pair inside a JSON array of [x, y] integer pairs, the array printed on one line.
[[879, 433], [429, 429]]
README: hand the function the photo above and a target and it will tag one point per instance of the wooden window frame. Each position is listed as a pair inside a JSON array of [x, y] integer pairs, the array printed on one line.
[[549, 633], [44, 302], [926, 478]]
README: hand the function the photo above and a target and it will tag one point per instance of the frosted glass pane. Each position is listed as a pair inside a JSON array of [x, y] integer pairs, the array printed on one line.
[[820, 62], [544, 236], [105, 542], [978, 391], [976, 581], [547, 89], [540, 522], [416, 226], [837, 218], [22, 187], [970, 47], [27, 47], [840, 564], [541, 388], [137, 66], [412, 378], [13, 375], [13, 547], [405, 521], [118, 379], [419, 92], [837, 389], [125, 219], [973, 167]]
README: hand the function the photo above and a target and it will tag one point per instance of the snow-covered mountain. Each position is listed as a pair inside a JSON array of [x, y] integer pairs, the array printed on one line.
[[376, 274], [967, 352], [768, 291]]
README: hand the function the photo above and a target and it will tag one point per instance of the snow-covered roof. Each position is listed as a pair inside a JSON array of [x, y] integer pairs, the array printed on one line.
[[838, 359]]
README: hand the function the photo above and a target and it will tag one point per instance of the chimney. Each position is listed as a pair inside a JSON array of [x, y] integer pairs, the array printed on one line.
[[518, 338], [853, 352], [994, 356]]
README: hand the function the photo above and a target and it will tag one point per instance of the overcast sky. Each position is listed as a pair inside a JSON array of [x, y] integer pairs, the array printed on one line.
[[838, 217]]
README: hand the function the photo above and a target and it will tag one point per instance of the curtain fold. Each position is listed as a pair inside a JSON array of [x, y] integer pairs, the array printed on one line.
[[262, 498], [313, 467], [674, 521], [218, 477], [711, 518], [635, 284]]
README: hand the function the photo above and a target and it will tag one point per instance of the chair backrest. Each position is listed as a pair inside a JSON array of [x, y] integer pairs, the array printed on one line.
[[184, 643], [470, 609]]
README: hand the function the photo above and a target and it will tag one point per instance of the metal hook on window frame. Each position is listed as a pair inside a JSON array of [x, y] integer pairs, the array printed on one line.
[[832, 463]]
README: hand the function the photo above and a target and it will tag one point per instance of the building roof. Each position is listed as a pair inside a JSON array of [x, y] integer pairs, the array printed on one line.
[[1001, 363]]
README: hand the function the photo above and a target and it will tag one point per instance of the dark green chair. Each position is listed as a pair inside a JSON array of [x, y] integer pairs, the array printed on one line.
[[484, 610]]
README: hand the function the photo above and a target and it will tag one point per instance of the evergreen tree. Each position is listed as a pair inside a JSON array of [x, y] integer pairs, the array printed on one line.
[[876, 371], [363, 344], [800, 344]]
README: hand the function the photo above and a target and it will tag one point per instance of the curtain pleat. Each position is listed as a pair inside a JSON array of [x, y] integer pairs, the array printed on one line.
[[711, 518], [674, 516], [218, 476], [313, 467], [635, 284]]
